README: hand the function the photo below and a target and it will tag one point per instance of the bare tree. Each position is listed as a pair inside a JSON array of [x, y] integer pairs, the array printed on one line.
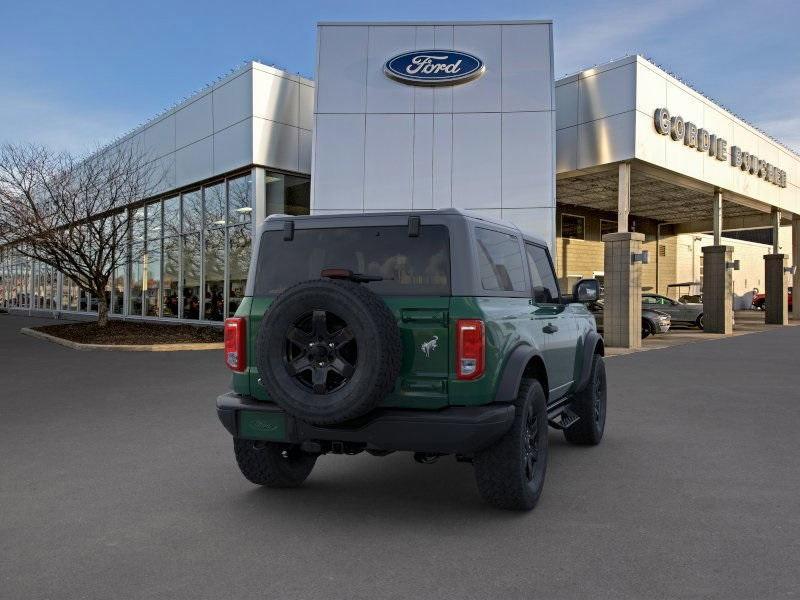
[[70, 213]]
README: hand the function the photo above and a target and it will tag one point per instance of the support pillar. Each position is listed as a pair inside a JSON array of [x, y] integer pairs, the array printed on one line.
[[777, 309], [717, 218], [622, 312], [796, 263], [623, 197], [717, 290]]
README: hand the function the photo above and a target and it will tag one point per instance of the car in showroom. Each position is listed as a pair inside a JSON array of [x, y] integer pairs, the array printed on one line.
[[441, 333], [653, 321], [681, 313]]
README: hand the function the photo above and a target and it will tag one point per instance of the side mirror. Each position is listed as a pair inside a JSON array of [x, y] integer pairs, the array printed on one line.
[[586, 290]]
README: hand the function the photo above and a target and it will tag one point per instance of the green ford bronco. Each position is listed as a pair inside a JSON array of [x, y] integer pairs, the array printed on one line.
[[437, 333]]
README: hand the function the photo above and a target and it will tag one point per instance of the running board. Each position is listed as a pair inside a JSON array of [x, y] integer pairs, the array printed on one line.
[[560, 415]]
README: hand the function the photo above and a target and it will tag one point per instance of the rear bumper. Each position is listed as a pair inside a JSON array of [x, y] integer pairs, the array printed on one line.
[[453, 430]]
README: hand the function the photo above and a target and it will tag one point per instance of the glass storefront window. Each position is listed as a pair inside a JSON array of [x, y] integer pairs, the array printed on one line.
[[73, 295], [239, 206], [288, 194], [215, 214], [172, 216], [152, 278], [135, 282], [239, 249], [214, 264], [169, 277], [137, 225], [119, 291], [191, 276], [154, 220], [192, 211]]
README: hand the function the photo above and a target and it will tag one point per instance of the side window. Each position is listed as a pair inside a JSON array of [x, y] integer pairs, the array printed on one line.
[[543, 280], [649, 300], [500, 261]]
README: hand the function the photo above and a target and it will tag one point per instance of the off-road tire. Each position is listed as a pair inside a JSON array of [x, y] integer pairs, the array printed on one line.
[[374, 331], [272, 465], [590, 405], [502, 471]]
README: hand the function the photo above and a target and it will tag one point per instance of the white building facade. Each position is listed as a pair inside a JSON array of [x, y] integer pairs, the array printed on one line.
[[226, 158]]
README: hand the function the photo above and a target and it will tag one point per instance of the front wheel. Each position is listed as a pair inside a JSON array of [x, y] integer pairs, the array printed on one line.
[[701, 322], [510, 474], [273, 465], [590, 405], [646, 331]]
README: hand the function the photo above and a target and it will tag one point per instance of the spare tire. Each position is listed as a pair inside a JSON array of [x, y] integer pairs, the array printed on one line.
[[328, 351]]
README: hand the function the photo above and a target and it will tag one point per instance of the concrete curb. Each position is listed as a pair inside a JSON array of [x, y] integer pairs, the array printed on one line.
[[123, 347]]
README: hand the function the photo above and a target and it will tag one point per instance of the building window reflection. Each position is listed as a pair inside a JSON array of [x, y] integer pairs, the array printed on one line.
[[191, 276], [214, 268], [170, 275], [239, 249], [288, 194]]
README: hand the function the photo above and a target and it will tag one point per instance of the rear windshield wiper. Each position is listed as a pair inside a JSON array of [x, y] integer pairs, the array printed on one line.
[[349, 275]]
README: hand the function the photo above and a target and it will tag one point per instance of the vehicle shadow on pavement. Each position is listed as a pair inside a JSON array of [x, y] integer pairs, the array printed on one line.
[[393, 488]]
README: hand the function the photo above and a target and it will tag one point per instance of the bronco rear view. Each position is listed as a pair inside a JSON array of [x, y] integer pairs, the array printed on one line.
[[436, 333]]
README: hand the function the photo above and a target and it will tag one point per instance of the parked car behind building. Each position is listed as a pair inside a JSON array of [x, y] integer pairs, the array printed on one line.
[[682, 313]]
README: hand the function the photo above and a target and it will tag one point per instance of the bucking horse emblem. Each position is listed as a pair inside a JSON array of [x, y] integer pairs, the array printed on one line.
[[430, 346]]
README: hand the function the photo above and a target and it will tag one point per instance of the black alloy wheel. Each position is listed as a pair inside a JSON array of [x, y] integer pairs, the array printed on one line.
[[321, 352], [530, 446]]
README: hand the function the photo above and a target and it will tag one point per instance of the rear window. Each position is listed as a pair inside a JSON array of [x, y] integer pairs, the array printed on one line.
[[409, 265]]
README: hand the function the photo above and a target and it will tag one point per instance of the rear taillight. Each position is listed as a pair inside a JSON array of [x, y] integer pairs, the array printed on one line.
[[470, 348], [234, 344]]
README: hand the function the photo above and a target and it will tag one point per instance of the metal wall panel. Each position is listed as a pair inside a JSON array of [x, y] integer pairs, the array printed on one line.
[[194, 121], [540, 222], [389, 173], [306, 107], [233, 101], [607, 93], [276, 98], [566, 149], [194, 162], [567, 105], [606, 140], [526, 71], [233, 146], [338, 177], [385, 95], [476, 160], [423, 163], [159, 138], [305, 142], [342, 69], [275, 145], [527, 165], [483, 94], [442, 161]]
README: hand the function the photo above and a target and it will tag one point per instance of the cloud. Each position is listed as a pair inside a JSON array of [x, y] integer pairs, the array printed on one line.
[[39, 117]]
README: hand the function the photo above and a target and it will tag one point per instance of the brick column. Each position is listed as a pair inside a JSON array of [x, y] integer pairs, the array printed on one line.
[[622, 311], [717, 290], [777, 312]]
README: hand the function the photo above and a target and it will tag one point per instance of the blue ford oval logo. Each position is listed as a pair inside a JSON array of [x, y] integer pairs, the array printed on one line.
[[434, 67]]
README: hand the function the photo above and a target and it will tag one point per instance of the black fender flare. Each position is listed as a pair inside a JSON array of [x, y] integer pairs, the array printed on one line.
[[513, 370], [592, 344]]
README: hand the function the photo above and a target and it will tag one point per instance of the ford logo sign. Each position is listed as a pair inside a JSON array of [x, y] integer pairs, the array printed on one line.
[[434, 67]]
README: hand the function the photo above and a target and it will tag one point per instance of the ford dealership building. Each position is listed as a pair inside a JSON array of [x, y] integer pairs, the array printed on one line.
[[628, 174]]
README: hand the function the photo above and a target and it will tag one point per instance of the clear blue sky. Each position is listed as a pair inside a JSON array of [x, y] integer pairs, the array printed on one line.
[[74, 74]]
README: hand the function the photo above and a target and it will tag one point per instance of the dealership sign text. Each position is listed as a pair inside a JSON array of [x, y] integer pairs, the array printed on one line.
[[703, 141], [434, 67]]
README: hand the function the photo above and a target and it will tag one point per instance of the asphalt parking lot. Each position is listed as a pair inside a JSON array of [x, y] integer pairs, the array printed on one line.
[[117, 481]]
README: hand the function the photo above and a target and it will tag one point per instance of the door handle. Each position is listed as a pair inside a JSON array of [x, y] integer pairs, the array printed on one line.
[[550, 328]]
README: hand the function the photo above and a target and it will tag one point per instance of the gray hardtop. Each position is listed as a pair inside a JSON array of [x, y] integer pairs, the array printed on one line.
[[464, 276]]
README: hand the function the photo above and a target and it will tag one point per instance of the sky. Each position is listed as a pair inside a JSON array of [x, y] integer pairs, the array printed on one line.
[[74, 75]]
